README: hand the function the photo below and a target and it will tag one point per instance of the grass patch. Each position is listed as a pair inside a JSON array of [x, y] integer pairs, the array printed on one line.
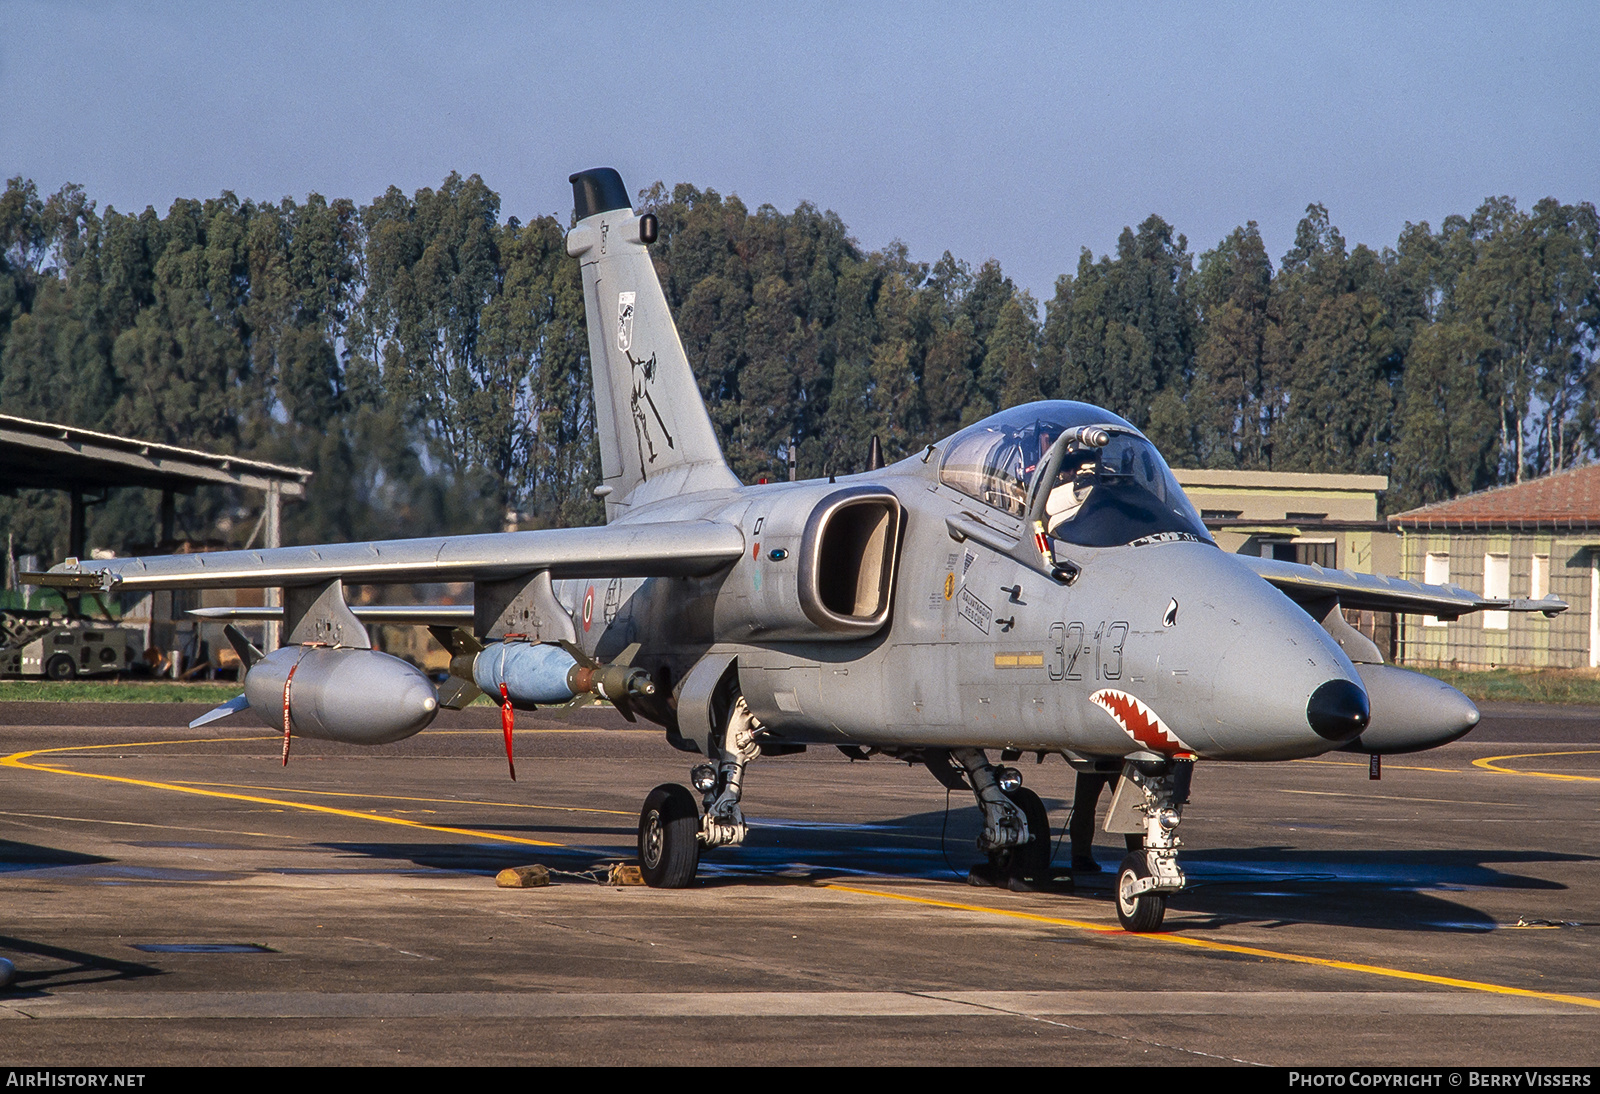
[[116, 691], [1573, 687]]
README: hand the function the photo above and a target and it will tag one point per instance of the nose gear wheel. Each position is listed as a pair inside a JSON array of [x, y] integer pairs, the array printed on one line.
[[1139, 909]]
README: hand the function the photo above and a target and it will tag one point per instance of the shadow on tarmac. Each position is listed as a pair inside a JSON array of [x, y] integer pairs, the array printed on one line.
[[1399, 890], [16, 856], [1376, 890], [73, 967]]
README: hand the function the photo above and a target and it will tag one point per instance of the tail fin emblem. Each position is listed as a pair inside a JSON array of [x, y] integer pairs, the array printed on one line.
[[625, 320], [646, 371]]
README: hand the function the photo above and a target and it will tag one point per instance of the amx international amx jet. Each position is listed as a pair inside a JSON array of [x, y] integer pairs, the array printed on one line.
[[1035, 583]]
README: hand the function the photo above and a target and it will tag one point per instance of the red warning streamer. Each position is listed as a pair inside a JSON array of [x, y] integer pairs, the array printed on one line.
[[304, 649], [507, 721], [286, 681]]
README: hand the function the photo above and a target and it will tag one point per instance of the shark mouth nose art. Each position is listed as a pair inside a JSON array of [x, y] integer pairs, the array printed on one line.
[[1139, 721]]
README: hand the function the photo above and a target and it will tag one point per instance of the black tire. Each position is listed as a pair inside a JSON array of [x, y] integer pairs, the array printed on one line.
[[669, 844], [1032, 859], [61, 667], [1140, 914]]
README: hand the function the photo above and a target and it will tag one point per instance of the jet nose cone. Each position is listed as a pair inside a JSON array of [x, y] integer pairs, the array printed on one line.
[[1338, 711]]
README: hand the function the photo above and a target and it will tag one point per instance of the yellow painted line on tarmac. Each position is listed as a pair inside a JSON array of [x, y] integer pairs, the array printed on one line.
[[1492, 763], [1394, 797], [19, 760], [1229, 947], [404, 798], [1387, 766], [145, 824]]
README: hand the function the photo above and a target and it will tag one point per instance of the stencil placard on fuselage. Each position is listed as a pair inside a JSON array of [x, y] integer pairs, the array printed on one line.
[[974, 611]]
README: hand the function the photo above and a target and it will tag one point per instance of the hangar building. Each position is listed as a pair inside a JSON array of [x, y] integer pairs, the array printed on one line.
[[86, 464], [1525, 540]]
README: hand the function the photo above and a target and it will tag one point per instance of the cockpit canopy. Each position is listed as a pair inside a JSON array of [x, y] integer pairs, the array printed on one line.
[[1099, 497]]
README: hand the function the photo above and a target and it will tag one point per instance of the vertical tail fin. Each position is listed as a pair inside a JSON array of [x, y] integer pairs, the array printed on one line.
[[656, 438]]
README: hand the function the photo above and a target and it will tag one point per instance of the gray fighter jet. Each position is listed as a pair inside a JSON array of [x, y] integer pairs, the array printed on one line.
[[1036, 583]]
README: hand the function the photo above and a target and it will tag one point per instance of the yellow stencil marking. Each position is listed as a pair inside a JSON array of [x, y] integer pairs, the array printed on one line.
[[1228, 947], [19, 760], [1019, 660], [1492, 763]]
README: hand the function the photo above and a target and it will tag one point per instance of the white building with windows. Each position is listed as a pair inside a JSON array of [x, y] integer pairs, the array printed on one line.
[[1526, 540]]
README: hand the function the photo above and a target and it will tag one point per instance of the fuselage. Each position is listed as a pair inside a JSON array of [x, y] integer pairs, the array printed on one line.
[[1166, 647]]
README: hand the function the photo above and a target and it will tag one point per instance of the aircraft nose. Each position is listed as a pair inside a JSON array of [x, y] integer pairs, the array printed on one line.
[[1338, 711]]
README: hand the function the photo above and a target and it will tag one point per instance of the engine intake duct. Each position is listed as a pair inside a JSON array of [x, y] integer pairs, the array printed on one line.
[[820, 566], [847, 560]]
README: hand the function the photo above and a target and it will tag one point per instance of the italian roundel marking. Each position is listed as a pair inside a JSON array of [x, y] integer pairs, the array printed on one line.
[[1138, 721], [588, 607]]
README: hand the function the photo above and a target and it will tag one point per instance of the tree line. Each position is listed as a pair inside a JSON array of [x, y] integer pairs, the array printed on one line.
[[428, 359]]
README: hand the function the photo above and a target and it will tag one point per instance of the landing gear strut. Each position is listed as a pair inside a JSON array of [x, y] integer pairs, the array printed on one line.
[[672, 830], [1016, 827], [1149, 799], [723, 824]]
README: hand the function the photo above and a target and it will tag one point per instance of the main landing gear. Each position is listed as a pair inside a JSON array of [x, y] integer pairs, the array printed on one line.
[[1016, 826], [669, 852], [1150, 799], [672, 831]]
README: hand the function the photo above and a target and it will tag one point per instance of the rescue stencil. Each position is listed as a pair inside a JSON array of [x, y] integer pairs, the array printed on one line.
[[974, 611]]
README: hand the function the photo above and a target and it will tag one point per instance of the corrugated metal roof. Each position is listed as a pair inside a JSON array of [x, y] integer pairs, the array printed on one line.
[[48, 455]]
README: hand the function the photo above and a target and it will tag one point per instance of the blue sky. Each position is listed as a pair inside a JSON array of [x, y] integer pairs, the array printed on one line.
[[1022, 132]]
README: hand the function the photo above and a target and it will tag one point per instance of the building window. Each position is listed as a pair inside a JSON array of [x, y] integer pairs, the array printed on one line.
[[1322, 553], [1435, 571], [1539, 577], [1496, 586], [1316, 554]]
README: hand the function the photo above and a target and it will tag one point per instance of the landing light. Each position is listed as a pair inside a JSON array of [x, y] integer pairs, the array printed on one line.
[[704, 778], [1009, 778]]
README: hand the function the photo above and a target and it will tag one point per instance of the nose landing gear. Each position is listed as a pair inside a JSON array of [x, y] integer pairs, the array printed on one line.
[[1149, 799]]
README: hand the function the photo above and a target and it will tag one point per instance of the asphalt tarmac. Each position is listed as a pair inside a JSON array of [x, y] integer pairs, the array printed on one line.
[[177, 897]]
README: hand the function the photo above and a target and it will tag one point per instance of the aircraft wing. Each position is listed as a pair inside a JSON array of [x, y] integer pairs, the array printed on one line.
[[426, 615], [681, 548], [1371, 592]]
